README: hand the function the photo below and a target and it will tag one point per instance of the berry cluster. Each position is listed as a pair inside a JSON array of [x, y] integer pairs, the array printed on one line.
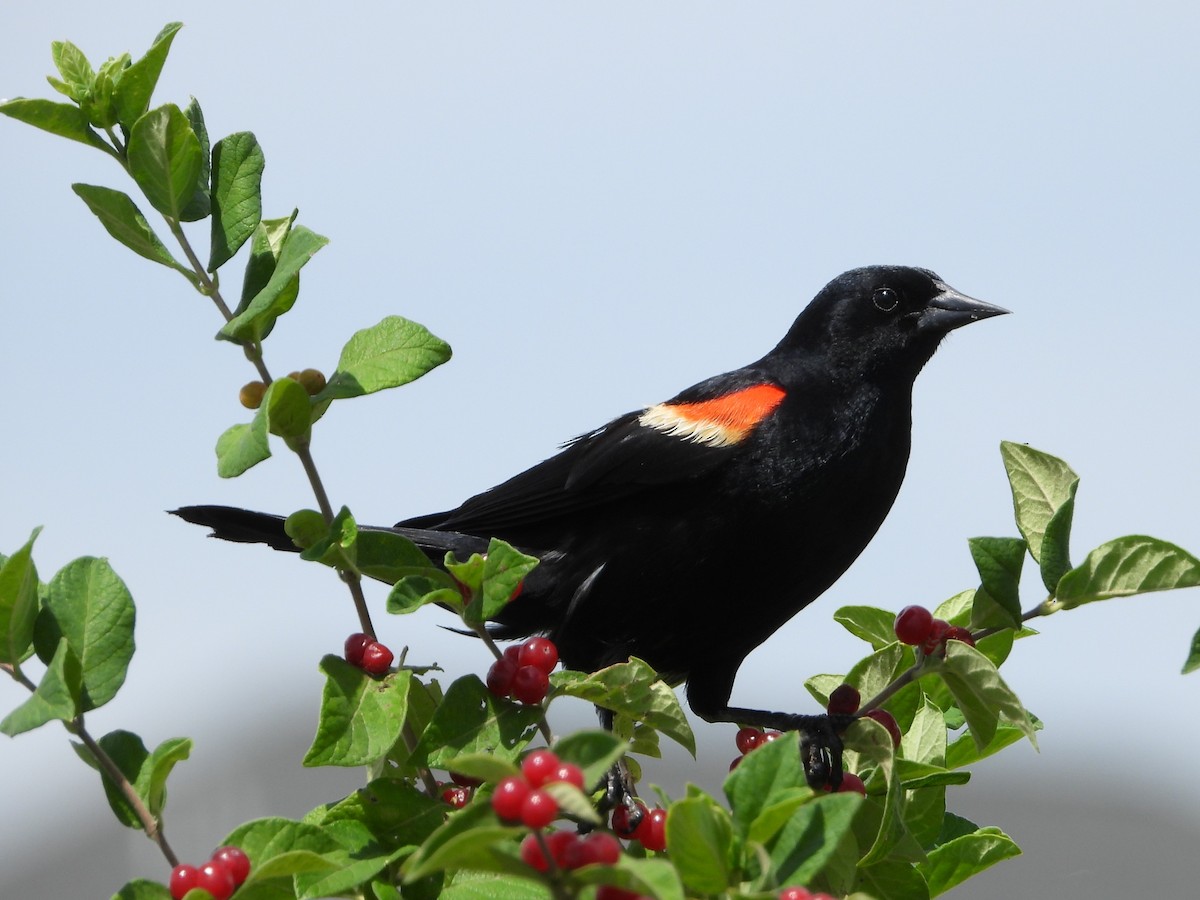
[[520, 798], [368, 654], [570, 850], [648, 827], [917, 627], [748, 739], [220, 876], [799, 893], [252, 393], [523, 672]]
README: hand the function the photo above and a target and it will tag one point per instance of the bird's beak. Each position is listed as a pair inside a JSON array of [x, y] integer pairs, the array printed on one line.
[[949, 310]]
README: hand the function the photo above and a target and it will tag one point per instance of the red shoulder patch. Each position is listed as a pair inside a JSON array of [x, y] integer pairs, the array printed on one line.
[[720, 422]]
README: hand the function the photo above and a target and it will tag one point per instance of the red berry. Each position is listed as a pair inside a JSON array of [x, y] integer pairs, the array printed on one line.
[[500, 677], [912, 624], [844, 700], [183, 879], [769, 736], [622, 819], [612, 892], [795, 893], [560, 844], [653, 831], [958, 633], [851, 782], [235, 861], [570, 773], [516, 591], [748, 739], [530, 685], [376, 658], [456, 795], [598, 848], [736, 761], [355, 645], [513, 653], [888, 721], [216, 879], [538, 767], [540, 653], [509, 797], [539, 809], [531, 853], [936, 636]]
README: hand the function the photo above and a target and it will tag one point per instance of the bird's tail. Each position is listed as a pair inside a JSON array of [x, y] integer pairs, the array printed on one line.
[[248, 527], [242, 525]]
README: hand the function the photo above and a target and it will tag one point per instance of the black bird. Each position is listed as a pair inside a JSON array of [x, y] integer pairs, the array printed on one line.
[[663, 534]]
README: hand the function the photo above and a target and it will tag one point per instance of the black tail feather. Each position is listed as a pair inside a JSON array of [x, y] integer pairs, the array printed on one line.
[[242, 525]]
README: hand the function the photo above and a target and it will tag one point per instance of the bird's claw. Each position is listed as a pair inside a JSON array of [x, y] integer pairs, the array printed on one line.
[[821, 750]]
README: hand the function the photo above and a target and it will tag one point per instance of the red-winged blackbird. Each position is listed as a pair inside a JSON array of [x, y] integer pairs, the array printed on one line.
[[688, 532]]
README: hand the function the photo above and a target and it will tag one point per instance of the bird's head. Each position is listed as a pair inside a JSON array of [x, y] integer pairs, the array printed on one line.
[[884, 320]]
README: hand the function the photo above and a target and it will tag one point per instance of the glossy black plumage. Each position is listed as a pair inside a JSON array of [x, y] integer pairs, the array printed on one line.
[[663, 534]]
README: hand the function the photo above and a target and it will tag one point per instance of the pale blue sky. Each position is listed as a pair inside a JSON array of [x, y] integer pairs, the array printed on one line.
[[597, 205]]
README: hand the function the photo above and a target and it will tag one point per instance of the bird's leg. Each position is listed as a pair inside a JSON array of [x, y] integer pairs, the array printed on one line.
[[820, 735], [618, 791]]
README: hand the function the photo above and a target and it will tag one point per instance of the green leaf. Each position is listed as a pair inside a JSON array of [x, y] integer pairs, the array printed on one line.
[[999, 562], [646, 877], [412, 592], [471, 720], [872, 674], [136, 87], [289, 411], [483, 766], [154, 777], [392, 353], [99, 106], [981, 694], [265, 247], [130, 755], [243, 446], [339, 545], [632, 689], [200, 204], [892, 880], [57, 695], [141, 889], [573, 802], [89, 605], [1193, 660], [397, 814], [1041, 484], [875, 626], [18, 603], [504, 570], [361, 717], [124, 221], [387, 556], [279, 849], [279, 293], [471, 838], [63, 119], [811, 837], [237, 168], [771, 772], [1056, 543], [699, 834], [487, 886], [964, 857], [964, 751], [74, 68], [358, 859], [165, 159], [925, 739], [1134, 564], [593, 751]]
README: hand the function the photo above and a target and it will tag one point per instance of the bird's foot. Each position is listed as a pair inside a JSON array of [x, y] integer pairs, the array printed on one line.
[[821, 747]]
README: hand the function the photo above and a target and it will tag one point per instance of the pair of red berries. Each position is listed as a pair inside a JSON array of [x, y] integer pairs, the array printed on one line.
[[523, 671], [220, 876], [650, 830], [748, 739], [571, 851], [916, 626], [520, 798], [368, 654], [459, 793]]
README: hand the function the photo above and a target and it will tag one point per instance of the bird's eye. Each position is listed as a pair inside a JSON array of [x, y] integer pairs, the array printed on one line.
[[885, 299]]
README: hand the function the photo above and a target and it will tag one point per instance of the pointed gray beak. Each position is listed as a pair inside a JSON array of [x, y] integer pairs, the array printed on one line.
[[949, 310]]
